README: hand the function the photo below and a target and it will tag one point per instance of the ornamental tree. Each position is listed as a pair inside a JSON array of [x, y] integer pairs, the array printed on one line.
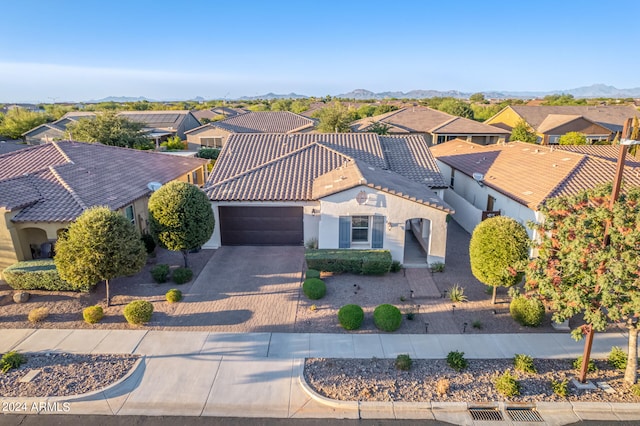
[[578, 272], [497, 250], [100, 245], [108, 128], [523, 133], [573, 138], [180, 217]]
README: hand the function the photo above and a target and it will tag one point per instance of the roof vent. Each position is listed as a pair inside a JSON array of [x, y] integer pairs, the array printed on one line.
[[154, 186], [478, 177]]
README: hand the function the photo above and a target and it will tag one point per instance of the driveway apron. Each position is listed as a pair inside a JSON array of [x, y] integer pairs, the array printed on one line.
[[244, 289]]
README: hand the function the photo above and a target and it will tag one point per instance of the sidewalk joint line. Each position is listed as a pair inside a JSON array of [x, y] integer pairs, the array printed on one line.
[[213, 382]]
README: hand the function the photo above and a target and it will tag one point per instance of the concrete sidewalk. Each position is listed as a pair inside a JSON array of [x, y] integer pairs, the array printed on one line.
[[257, 374]]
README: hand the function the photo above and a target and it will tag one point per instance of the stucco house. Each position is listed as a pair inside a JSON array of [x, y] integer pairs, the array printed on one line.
[[514, 179], [597, 123], [217, 113], [46, 187], [343, 190], [435, 126], [159, 125], [215, 134]]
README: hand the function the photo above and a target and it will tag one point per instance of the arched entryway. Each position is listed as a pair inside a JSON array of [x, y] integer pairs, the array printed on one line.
[[417, 240]]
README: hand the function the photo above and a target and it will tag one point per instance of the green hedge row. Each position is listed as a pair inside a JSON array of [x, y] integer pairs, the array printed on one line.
[[365, 262], [38, 275]]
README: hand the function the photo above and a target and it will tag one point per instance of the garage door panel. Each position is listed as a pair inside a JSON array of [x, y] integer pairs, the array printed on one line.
[[261, 225]]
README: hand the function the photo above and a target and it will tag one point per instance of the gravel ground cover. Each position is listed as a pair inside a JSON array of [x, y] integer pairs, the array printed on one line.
[[379, 380], [65, 374]]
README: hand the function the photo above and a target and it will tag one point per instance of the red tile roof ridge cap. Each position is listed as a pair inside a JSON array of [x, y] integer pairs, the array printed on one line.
[[68, 187], [61, 151], [451, 120], [564, 180]]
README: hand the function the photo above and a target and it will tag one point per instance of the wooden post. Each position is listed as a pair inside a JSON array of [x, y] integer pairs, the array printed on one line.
[[586, 354]]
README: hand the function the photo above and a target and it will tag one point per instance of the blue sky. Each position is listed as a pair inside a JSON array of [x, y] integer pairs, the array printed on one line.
[[81, 50]]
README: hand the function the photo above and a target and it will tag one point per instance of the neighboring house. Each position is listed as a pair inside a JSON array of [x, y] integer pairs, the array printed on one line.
[[30, 107], [343, 190], [217, 113], [435, 126], [56, 130], [597, 123], [44, 188], [514, 179], [10, 146], [159, 125], [216, 134]]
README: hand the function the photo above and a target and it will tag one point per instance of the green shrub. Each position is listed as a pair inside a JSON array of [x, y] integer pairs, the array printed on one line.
[[437, 267], [138, 312], [314, 288], [635, 389], [404, 362], [456, 294], [560, 387], [507, 385], [38, 275], [617, 358], [577, 364], [351, 317], [149, 242], [526, 311], [396, 266], [182, 275], [524, 363], [387, 317], [174, 143], [477, 324], [11, 360], [38, 314], [160, 273], [174, 295], [312, 273], [208, 153], [366, 262], [92, 314], [311, 243], [456, 360]]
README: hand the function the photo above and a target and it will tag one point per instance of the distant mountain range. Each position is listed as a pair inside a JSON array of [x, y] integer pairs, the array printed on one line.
[[593, 91]]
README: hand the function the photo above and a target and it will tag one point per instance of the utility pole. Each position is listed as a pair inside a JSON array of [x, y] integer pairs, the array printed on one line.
[[615, 192]]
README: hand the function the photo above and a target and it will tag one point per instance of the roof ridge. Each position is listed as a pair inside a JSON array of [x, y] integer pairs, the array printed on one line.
[[68, 187], [273, 161], [61, 151], [449, 121], [563, 181]]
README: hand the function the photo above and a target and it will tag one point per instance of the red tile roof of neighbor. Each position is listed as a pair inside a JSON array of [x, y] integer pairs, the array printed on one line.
[[530, 173], [277, 167], [57, 181], [426, 120], [265, 122]]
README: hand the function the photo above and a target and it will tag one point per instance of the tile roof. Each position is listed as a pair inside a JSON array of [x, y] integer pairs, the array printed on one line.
[[552, 121], [606, 152], [355, 173], [276, 167], [156, 119], [10, 146], [58, 180], [531, 173], [425, 120], [265, 122], [611, 117]]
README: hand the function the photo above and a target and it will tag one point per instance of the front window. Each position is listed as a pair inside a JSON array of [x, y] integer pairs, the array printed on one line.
[[128, 212], [360, 229]]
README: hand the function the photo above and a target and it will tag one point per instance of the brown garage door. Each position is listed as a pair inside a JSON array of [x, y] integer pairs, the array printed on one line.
[[261, 226]]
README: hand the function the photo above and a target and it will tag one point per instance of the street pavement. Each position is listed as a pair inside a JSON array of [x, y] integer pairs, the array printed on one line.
[[257, 375]]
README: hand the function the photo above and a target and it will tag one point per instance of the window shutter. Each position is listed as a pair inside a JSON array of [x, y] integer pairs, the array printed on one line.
[[344, 239], [377, 232]]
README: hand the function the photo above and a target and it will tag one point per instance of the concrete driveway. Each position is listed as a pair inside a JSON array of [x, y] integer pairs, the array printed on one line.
[[244, 289]]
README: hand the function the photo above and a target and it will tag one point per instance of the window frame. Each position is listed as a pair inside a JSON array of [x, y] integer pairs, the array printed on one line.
[[355, 218]]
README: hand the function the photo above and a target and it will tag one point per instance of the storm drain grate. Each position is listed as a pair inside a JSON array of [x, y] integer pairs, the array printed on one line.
[[524, 415], [485, 414]]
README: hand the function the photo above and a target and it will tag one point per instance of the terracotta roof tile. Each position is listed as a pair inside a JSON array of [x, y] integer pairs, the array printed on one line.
[[611, 117], [530, 173], [70, 176], [410, 157]]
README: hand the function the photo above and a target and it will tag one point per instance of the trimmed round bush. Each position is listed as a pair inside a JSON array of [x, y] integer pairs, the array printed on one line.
[[314, 288], [350, 317], [527, 312], [182, 275], [174, 295], [312, 273], [93, 314], [387, 317], [160, 273], [138, 312]]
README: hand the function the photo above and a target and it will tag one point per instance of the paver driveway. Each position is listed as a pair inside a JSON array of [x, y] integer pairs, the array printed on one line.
[[244, 289]]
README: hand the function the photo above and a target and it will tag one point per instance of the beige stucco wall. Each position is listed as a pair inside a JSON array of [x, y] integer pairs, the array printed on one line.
[[193, 138], [396, 211]]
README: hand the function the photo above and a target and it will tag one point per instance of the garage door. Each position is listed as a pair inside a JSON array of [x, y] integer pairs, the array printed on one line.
[[261, 226]]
